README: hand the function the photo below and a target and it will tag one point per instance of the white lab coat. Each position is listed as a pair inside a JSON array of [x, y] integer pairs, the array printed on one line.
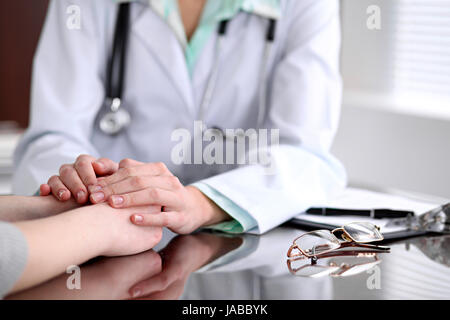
[[303, 94]]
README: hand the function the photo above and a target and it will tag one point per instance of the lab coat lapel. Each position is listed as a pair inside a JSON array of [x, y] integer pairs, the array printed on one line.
[[157, 36]]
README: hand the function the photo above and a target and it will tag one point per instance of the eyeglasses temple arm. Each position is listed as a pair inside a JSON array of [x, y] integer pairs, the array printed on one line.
[[293, 255], [365, 245]]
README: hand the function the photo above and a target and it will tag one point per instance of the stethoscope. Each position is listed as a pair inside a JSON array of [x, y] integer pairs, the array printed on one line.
[[114, 117]]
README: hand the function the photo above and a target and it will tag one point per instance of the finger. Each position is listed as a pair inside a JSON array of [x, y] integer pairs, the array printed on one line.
[[150, 196], [44, 190], [131, 184], [85, 170], [172, 292], [126, 163], [59, 190], [69, 176], [161, 219], [158, 283], [120, 175], [148, 169], [143, 210], [149, 286], [105, 166]]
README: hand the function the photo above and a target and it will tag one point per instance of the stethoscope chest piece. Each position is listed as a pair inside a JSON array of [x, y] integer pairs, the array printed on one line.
[[116, 119], [113, 117]]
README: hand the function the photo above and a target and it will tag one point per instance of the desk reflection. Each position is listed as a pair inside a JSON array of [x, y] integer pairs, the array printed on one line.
[[149, 275], [218, 266]]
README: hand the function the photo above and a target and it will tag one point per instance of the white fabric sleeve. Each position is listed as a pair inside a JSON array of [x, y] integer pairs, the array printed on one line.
[[66, 93], [13, 256], [304, 105]]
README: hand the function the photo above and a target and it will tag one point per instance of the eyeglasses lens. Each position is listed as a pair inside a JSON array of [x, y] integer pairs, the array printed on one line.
[[363, 232], [317, 242]]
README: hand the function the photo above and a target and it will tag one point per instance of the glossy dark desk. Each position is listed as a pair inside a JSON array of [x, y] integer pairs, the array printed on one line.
[[214, 266]]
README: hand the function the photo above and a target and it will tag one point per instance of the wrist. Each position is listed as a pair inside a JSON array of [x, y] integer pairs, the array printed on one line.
[[211, 212], [73, 238], [45, 206], [95, 225]]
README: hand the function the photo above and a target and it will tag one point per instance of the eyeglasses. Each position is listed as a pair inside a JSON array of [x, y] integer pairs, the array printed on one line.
[[355, 262], [319, 242]]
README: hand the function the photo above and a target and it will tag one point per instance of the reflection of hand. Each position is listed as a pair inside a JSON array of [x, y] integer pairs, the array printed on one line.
[[108, 278], [181, 257], [76, 236], [143, 184]]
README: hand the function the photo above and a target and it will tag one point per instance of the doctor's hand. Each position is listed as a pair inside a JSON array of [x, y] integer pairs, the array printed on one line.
[[74, 179], [184, 208]]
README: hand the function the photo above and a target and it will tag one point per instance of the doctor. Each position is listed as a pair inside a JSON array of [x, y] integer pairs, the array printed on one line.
[[272, 65]]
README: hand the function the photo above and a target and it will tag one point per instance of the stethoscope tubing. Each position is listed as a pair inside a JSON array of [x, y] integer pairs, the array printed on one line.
[[210, 87], [117, 117]]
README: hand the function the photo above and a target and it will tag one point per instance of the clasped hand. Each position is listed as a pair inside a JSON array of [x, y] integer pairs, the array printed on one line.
[[131, 183]]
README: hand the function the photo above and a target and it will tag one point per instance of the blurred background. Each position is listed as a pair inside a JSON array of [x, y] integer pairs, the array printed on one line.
[[395, 125]]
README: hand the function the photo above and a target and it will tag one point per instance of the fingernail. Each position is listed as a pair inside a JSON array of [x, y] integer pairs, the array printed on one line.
[[117, 200], [93, 189], [61, 193], [100, 164], [80, 195], [137, 218], [99, 196], [136, 292]]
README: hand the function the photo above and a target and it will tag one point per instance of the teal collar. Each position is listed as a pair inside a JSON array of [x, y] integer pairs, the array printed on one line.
[[226, 8], [213, 12]]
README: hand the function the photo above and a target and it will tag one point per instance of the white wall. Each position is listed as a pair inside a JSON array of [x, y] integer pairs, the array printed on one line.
[[408, 148], [387, 149]]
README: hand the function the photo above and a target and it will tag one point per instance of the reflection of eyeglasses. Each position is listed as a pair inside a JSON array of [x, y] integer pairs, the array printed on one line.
[[333, 268], [319, 242], [435, 248]]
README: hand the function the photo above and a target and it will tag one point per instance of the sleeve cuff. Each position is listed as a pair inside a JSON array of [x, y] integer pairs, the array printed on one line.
[[242, 220], [14, 255]]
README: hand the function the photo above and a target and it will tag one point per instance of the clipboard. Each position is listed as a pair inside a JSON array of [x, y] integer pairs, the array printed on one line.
[[389, 237], [363, 201]]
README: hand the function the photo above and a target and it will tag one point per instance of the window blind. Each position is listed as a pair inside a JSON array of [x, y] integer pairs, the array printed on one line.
[[421, 49], [408, 58]]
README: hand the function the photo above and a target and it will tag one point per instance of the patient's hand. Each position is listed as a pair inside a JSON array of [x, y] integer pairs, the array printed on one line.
[[76, 236], [20, 208], [74, 179], [120, 236]]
